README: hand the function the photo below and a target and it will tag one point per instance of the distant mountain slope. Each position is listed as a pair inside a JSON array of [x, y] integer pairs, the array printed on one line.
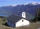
[[9, 10]]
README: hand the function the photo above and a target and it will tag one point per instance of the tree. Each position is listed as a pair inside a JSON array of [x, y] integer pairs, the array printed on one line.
[[37, 16]]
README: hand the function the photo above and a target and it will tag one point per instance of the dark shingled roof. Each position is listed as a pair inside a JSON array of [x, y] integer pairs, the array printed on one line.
[[13, 18]]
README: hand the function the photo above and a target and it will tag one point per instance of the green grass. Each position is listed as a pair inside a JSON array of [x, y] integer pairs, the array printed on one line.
[[2, 21]]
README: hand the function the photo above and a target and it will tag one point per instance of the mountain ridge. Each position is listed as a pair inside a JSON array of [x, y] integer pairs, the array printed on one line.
[[9, 10]]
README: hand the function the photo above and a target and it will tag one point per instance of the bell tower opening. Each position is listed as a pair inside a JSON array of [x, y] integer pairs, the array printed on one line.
[[24, 14]]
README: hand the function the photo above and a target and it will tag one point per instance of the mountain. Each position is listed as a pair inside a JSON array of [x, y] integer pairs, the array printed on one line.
[[17, 10]]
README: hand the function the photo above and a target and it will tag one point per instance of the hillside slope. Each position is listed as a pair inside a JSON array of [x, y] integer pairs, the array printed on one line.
[[32, 26]]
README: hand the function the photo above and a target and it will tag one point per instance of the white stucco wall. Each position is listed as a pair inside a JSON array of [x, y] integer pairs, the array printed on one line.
[[24, 23]]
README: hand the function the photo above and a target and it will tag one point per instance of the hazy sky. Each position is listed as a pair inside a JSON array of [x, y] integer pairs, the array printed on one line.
[[16, 2]]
